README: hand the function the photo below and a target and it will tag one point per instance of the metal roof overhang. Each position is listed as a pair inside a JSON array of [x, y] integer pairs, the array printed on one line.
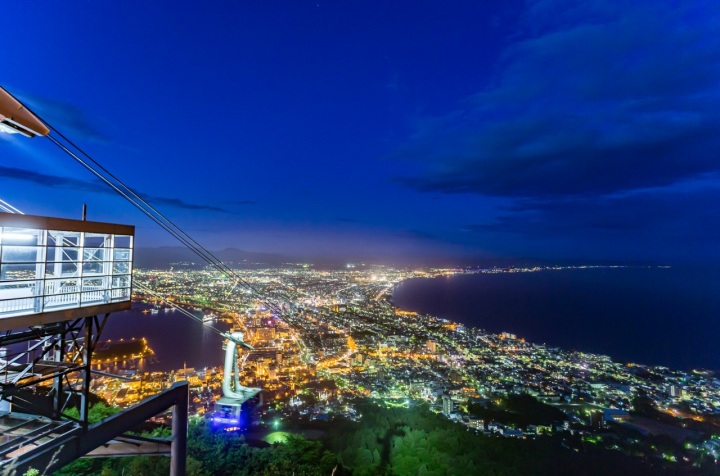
[[16, 118]]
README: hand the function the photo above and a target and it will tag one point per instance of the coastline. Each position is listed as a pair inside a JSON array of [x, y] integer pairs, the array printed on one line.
[[592, 344]]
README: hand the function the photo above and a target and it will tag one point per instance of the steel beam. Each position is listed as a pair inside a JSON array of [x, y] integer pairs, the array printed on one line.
[[178, 447], [71, 446]]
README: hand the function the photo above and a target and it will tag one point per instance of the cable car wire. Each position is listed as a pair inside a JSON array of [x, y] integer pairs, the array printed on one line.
[[161, 220]]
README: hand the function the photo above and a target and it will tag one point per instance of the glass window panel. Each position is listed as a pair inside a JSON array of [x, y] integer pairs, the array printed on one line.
[[11, 272], [70, 269], [92, 283], [93, 296], [21, 254], [121, 255], [20, 236], [24, 306], [123, 241], [61, 286], [63, 238], [7, 286], [16, 290], [61, 269], [121, 268], [94, 240], [93, 268], [59, 275], [93, 254], [120, 281], [121, 294], [62, 301], [62, 254]]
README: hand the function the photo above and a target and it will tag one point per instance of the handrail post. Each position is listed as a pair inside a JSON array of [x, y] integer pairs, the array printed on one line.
[[178, 446]]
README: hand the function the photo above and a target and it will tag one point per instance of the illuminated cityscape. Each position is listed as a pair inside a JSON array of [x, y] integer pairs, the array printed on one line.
[[360, 238], [343, 339]]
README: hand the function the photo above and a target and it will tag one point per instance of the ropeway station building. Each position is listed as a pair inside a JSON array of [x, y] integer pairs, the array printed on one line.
[[60, 280], [52, 269]]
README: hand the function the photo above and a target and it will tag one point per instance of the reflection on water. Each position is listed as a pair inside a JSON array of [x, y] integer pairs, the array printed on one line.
[[176, 339]]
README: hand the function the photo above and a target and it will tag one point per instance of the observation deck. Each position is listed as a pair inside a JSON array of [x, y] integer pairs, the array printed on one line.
[[54, 269]]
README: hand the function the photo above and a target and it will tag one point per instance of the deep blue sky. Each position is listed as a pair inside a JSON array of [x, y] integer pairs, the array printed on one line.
[[548, 128]]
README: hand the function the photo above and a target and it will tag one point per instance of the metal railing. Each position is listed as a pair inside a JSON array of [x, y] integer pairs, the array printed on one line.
[[49, 270]]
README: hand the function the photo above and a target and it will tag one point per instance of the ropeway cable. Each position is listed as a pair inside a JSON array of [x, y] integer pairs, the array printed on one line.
[[167, 224], [9, 208], [182, 310], [155, 215], [141, 205], [187, 239], [130, 199], [170, 228], [145, 289]]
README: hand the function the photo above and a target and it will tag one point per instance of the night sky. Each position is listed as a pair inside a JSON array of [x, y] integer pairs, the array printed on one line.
[[424, 130]]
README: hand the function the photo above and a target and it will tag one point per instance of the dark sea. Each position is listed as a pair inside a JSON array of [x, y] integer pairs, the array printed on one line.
[[656, 316], [176, 339]]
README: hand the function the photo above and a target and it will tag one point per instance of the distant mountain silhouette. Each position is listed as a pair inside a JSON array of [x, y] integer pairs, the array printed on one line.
[[179, 256]]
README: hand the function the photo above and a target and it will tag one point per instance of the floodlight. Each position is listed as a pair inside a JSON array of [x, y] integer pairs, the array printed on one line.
[[17, 119]]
